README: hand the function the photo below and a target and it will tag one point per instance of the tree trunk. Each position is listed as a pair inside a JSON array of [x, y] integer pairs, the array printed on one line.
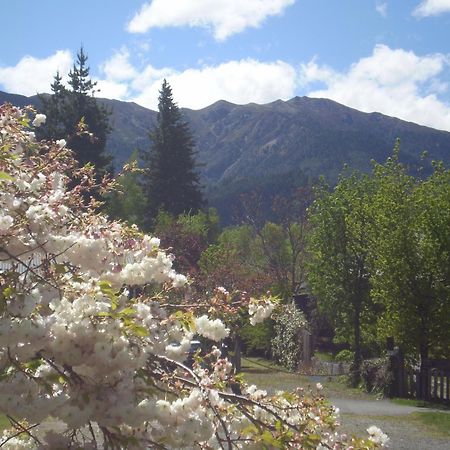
[[424, 374], [357, 360]]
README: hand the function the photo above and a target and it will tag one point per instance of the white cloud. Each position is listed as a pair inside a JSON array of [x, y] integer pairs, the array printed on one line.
[[394, 82], [381, 8], [239, 82], [225, 17], [112, 89], [432, 8], [32, 75], [118, 67], [242, 81]]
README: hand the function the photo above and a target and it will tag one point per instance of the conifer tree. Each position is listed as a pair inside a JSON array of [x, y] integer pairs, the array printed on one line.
[[171, 182], [67, 108]]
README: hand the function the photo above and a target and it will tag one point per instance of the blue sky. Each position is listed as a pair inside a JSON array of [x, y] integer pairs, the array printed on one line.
[[390, 56]]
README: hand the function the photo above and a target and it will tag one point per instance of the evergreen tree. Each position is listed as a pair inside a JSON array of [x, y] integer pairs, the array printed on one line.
[[72, 110], [171, 182]]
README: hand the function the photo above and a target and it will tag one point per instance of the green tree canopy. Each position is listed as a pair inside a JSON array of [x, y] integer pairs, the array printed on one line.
[[171, 182], [411, 258], [338, 271]]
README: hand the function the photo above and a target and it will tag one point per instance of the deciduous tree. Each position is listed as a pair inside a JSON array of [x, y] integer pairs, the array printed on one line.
[[411, 257], [338, 271]]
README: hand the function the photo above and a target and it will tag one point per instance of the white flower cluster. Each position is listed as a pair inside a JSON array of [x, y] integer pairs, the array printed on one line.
[[211, 329], [39, 120], [377, 436], [260, 310]]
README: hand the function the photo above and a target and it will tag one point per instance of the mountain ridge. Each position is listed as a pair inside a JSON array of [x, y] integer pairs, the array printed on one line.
[[239, 143]]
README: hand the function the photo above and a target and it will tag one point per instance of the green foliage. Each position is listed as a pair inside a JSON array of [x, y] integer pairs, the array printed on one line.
[[338, 270], [257, 338], [345, 356], [287, 344], [127, 202], [235, 261], [75, 115], [376, 375], [282, 243], [411, 258], [171, 182], [204, 223], [380, 258], [187, 235]]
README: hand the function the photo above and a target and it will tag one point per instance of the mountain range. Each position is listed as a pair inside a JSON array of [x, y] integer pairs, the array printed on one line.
[[276, 146]]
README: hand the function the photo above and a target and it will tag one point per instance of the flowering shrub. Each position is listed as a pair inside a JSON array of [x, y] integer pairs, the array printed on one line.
[[84, 362], [287, 344]]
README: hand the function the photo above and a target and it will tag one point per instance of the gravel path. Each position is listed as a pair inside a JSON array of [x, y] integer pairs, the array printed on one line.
[[373, 407], [359, 414], [403, 434]]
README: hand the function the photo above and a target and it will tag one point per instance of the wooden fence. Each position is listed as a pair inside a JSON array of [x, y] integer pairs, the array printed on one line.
[[430, 383]]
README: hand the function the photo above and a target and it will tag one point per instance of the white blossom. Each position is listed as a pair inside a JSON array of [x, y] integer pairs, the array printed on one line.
[[377, 436], [39, 120], [211, 329], [61, 143], [260, 311]]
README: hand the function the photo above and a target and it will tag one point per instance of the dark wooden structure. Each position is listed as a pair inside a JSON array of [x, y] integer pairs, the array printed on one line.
[[430, 382]]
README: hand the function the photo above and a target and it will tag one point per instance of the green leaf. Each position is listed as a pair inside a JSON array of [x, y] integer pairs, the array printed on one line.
[[104, 285], [33, 365], [106, 289], [8, 292], [60, 268], [250, 430], [270, 440], [5, 176], [186, 319], [138, 330], [127, 312]]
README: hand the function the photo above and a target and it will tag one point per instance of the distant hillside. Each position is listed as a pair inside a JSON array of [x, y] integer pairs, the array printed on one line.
[[274, 146]]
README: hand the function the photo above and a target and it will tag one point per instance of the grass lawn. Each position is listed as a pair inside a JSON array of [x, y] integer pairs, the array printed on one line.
[[435, 422], [418, 403], [271, 377]]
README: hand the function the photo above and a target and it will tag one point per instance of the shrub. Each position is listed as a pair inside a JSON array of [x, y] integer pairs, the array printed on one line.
[[257, 338], [376, 375], [287, 345], [345, 356]]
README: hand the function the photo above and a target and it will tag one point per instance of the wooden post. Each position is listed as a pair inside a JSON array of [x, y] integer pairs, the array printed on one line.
[[448, 387]]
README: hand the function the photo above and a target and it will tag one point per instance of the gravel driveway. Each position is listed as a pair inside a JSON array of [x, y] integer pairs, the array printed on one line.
[[402, 433], [359, 414]]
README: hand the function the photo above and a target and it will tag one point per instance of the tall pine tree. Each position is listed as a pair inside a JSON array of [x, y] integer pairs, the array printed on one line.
[[171, 182], [67, 108]]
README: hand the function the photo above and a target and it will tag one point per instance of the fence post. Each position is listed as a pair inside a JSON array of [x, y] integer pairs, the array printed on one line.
[[306, 347], [424, 380], [397, 369]]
